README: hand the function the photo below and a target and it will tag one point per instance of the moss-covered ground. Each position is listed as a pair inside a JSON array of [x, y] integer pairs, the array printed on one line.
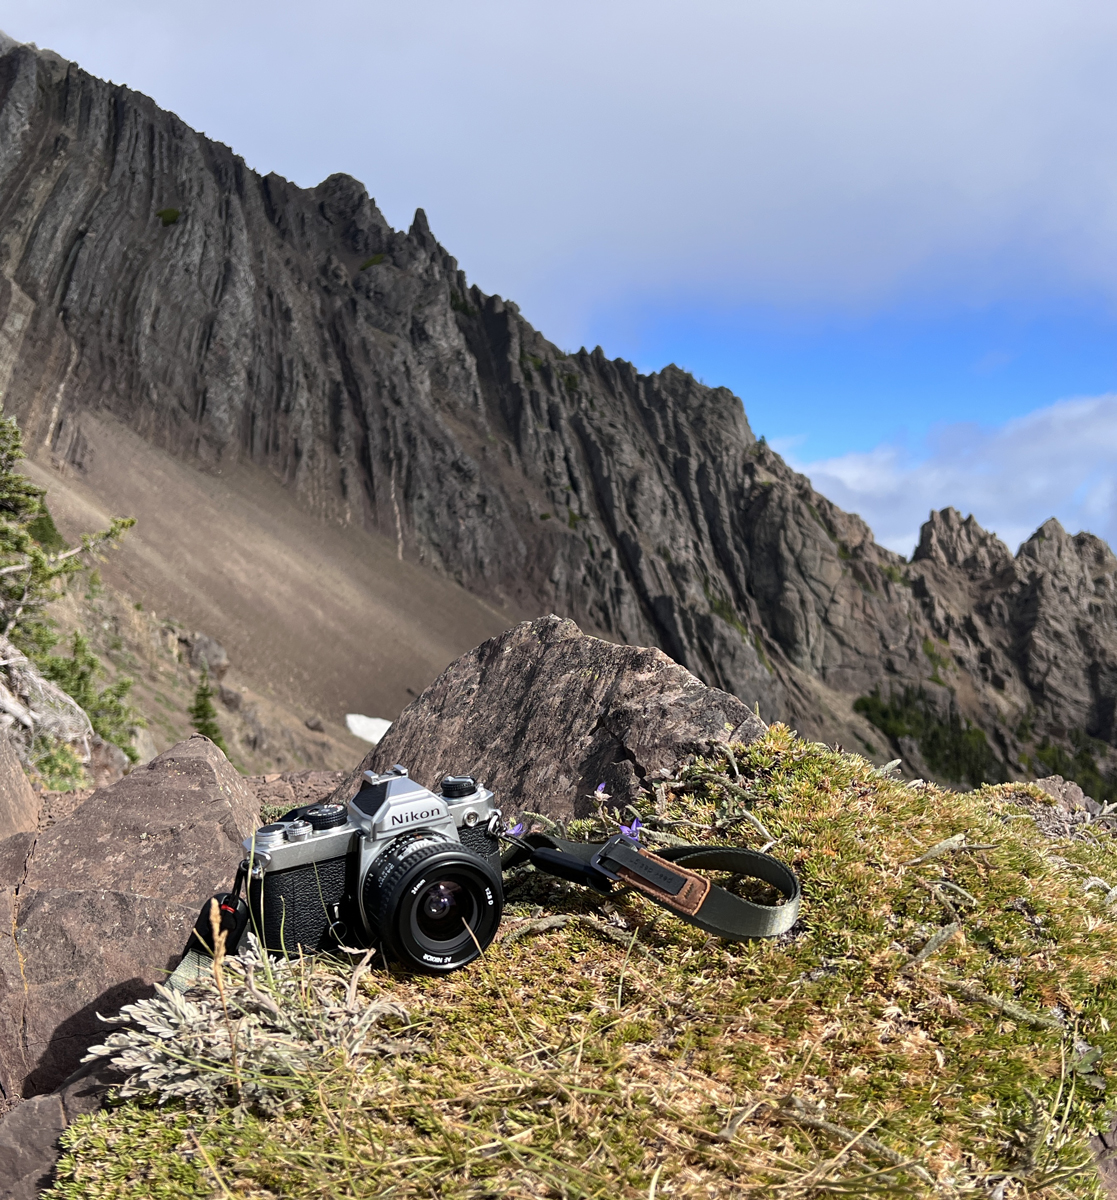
[[935, 1024]]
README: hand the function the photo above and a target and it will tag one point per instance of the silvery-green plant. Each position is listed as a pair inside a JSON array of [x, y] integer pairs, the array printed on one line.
[[249, 1034]]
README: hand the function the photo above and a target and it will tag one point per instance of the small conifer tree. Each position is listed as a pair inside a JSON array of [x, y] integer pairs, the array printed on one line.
[[112, 717], [204, 715], [35, 564], [30, 571]]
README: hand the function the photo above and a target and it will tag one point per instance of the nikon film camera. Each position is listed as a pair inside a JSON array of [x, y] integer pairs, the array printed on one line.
[[399, 865], [419, 875]]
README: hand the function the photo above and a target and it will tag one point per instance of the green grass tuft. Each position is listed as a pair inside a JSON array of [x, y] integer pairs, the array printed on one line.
[[938, 660]]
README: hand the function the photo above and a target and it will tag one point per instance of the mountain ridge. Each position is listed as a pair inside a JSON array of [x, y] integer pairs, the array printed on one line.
[[230, 317]]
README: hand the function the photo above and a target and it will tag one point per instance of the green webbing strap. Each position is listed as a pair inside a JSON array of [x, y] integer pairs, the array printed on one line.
[[194, 966], [691, 897], [730, 916]]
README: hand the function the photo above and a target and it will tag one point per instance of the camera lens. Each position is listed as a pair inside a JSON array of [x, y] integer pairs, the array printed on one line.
[[436, 904]]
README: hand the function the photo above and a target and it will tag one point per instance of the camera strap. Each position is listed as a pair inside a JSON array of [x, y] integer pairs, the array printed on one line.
[[197, 958], [670, 878]]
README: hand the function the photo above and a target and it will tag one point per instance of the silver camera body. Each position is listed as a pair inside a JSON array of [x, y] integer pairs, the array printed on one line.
[[412, 871]]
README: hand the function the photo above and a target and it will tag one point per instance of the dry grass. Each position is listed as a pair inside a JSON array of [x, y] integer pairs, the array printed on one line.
[[936, 1024]]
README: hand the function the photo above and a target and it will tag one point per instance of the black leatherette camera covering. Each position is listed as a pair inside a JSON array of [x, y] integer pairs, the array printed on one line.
[[481, 842], [298, 905]]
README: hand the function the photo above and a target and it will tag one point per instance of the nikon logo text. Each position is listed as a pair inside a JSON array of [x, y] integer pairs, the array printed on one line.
[[427, 810], [399, 819]]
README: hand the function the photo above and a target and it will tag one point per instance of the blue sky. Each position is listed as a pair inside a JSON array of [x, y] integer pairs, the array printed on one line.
[[891, 229]]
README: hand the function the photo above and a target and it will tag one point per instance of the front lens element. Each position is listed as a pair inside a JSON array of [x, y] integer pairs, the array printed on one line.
[[445, 912], [440, 910]]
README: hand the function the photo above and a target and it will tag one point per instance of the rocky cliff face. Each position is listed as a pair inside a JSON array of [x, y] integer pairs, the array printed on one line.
[[231, 317]]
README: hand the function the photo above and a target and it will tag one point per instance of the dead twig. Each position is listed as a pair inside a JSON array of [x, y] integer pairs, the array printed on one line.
[[732, 759], [539, 925], [736, 791], [735, 1122], [970, 991], [664, 839], [795, 1109], [265, 1002], [948, 846], [355, 979], [947, 906], [557, 921], [933, 944]]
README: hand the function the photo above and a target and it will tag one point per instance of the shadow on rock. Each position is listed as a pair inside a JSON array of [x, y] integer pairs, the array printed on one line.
[[72, 1037]]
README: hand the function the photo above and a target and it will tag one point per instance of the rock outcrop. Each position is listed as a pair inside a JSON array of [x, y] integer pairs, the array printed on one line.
[[95, 908], [19, 805], [543, 715], [233, 318], [1029, 642], [290, 789]]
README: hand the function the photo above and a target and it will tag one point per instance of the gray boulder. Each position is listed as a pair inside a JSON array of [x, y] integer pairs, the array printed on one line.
[[1068, 796], [207, 654], [29, 1133], [95, 909], [544, 713], [290, 789]]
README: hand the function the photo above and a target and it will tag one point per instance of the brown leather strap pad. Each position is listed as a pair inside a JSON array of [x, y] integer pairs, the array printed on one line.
[[688, 900]]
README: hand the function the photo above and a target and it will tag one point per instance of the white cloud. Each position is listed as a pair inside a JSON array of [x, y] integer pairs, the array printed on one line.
[[1059, 461], [577, 154]]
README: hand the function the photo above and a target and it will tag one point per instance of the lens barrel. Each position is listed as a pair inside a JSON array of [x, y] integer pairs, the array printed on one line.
[[436, 904]]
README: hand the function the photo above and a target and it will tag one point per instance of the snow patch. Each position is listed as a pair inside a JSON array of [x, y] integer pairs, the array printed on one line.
[[368, 729]]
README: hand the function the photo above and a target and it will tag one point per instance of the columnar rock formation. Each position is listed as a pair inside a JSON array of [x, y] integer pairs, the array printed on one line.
[[232, 317]]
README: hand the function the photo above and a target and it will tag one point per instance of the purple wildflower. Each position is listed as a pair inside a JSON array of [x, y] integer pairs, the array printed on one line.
[[633, 830], [601, 787], [516, 829]]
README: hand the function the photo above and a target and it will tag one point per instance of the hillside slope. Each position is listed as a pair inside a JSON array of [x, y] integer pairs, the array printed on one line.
[[244, 325], [324, 618]]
